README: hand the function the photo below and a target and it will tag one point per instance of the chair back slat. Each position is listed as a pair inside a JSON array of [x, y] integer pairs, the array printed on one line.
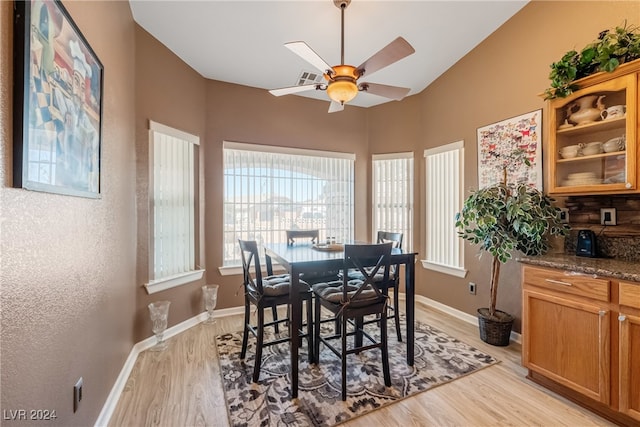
[[387, 236], [251, 264], [293, 234], [396, 240], [369, 260]]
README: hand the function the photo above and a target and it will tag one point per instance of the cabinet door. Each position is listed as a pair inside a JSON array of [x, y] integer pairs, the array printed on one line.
[[567, 341], [590, 154], [630, 365]]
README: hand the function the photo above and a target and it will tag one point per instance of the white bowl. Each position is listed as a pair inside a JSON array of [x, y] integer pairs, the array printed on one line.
[[590, 150], [614, 144], [570, 147], [568, 154]]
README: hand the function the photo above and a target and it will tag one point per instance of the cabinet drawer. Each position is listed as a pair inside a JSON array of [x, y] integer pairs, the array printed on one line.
[[629, 294], [568, 282]]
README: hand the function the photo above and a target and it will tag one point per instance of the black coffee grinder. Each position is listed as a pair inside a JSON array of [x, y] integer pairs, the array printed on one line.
[[586, 244]]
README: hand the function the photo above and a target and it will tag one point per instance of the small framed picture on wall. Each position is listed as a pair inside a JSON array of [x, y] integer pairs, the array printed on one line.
[[511, 148]]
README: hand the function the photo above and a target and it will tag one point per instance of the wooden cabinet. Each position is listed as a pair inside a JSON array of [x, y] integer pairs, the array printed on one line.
[[629, 349], [582, 333], [589, 154], [565, 332]]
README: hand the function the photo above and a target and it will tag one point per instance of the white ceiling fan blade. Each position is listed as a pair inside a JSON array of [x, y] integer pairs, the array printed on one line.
[[393, 52], [334, 107], [392, 92], [305, 52], [292, 89]]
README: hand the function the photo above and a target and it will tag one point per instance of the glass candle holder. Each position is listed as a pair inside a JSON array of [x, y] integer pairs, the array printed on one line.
[[210, 295], [159, 312]]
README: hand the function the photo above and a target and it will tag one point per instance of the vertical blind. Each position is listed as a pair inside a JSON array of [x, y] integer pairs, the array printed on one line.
[[268, 190], [393, 195], [172, 201], [443, 201]]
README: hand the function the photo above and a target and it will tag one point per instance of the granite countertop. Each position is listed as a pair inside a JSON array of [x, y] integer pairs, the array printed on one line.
[[609, 267]]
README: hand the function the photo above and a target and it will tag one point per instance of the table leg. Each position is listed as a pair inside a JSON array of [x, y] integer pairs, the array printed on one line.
[[410, 293], [296, 322]]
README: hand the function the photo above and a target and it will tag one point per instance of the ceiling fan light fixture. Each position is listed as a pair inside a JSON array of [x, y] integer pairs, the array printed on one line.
[[342, 84], [342, 91]]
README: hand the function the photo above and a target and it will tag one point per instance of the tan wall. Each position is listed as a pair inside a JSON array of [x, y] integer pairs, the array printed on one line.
[[68, 263], [500, 78], [171, 93]]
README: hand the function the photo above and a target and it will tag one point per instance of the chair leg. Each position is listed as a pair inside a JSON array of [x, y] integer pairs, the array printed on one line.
[[357, 338], [316, 330], [259, 342], [396, 313], [274, 313], [310, 331], [385, 350], [343, 359], [245, 333]]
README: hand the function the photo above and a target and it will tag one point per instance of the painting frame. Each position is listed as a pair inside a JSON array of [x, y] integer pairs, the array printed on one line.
[[58, 98], [508, 145]]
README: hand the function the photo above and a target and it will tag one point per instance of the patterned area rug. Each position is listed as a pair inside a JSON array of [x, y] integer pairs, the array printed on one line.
[[439, 358]]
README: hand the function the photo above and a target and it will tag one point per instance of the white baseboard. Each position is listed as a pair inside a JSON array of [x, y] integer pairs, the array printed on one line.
[[121, 381], [466, 317]]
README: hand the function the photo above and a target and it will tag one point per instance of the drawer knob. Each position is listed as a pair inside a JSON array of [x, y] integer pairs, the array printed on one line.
[[622, 318], [628, 185]]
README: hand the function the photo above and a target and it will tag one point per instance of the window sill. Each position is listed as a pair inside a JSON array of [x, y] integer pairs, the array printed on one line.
[[174, 281], [452, 271]]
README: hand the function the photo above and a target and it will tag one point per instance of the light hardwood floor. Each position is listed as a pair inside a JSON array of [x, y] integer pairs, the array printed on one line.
[[182, 387]]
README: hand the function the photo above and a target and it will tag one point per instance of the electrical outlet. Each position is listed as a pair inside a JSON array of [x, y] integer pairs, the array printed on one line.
[[472, 288], [77, 394], [608, 216], [564, 215]]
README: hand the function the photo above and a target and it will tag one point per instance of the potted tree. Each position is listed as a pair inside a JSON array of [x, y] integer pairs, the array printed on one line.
[[502, 218]]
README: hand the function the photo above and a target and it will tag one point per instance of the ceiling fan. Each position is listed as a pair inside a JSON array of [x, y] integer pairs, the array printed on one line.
[[342, 80]]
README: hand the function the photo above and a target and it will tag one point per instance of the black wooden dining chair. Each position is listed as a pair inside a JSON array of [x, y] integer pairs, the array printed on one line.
[[393, 282], [349, 300], [264, 292]]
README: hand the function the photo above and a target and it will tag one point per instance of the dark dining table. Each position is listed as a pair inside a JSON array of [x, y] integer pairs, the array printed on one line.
[[303, 258]]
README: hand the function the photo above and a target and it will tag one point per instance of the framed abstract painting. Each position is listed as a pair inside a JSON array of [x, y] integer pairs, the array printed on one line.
[[57, 103], [511, 148]]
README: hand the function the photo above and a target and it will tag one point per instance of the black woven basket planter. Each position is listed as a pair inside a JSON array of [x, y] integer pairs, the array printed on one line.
[[495, 330]]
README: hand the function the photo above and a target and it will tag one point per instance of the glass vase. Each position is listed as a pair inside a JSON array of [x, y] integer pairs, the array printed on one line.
[[159, 312], [210, 295]]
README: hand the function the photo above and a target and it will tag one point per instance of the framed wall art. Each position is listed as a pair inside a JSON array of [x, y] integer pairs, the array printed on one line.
[[57, 103], [513, 145]]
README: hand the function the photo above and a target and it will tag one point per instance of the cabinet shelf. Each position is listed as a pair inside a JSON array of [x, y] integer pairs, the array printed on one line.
[[588, 128], [592, 157]]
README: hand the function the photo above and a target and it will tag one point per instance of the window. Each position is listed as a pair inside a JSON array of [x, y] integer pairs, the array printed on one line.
[[444, 248], [268, 190], [393, 195], [172, 207]]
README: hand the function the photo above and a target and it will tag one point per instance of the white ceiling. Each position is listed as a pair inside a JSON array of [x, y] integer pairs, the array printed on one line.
[[242, 41]]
